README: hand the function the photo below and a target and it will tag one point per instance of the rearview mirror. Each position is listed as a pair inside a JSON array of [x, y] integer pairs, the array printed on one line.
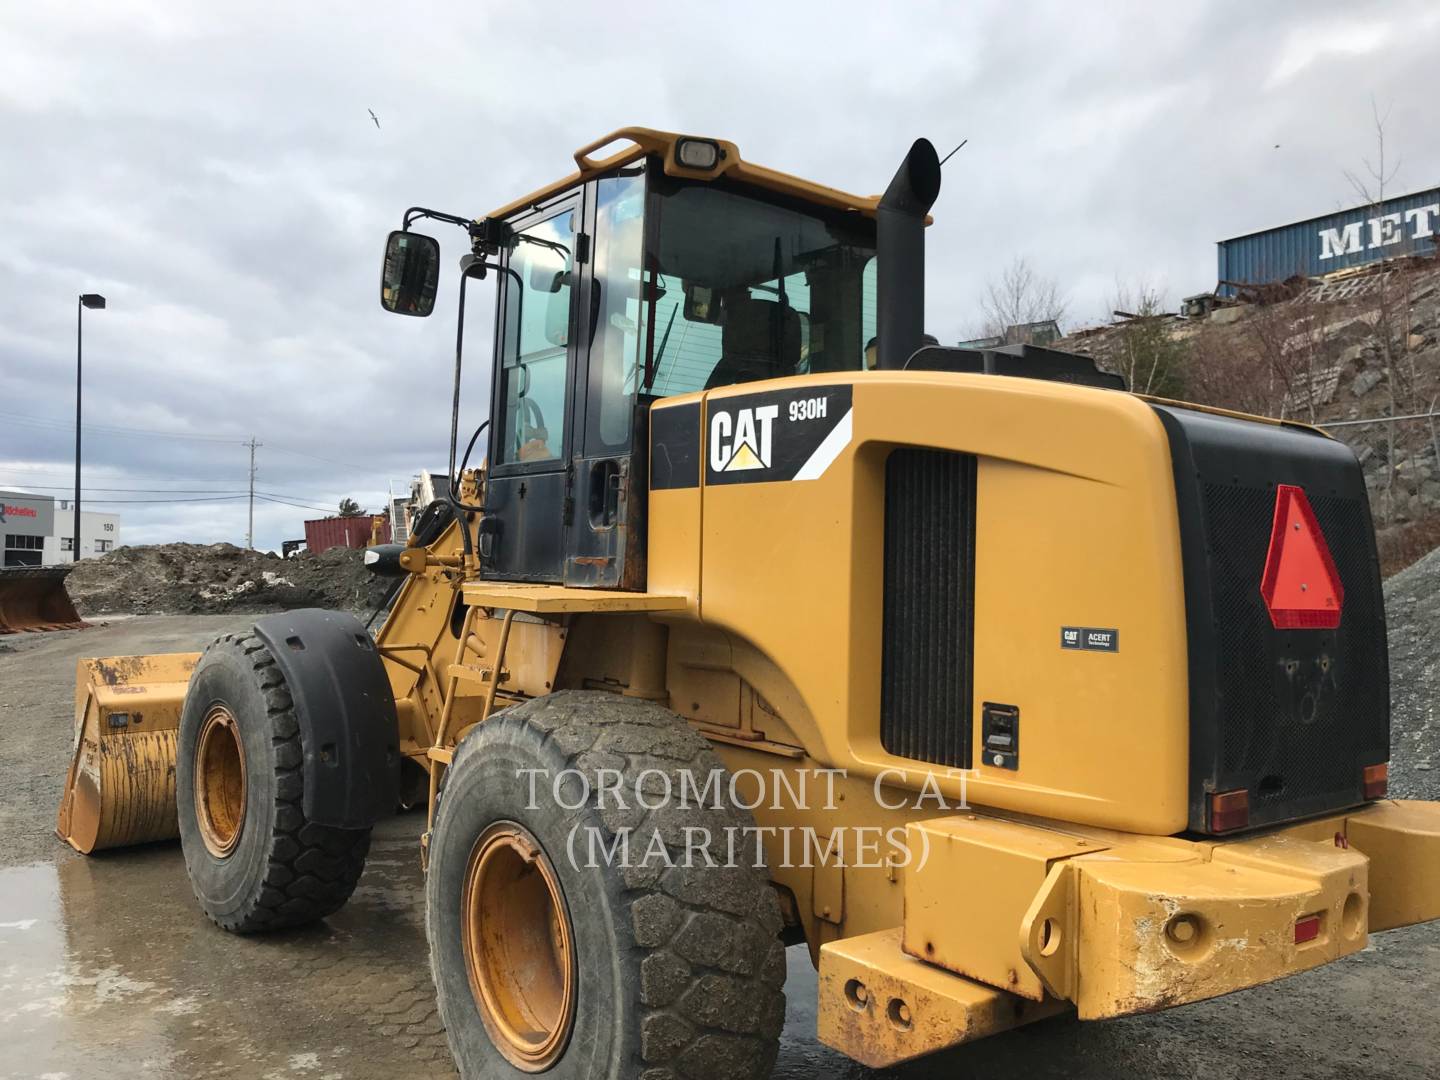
[[701, 304], [410, 275], [550, 281]]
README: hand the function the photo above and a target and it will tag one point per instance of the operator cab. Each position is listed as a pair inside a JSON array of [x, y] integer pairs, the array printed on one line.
[[640, 277]]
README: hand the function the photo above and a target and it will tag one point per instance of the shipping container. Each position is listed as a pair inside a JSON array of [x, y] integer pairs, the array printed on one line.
[[1404, 225], [352, 532]]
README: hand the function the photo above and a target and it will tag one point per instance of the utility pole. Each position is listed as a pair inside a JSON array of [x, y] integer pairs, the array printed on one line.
[[250, 528], [93, 301]]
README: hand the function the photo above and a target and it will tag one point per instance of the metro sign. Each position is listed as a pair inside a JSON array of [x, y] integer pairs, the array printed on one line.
[[1301, 587], [1383, 231]]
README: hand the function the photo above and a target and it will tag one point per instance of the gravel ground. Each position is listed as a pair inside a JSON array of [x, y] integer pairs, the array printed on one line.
[[1412, 604], [108, 968]]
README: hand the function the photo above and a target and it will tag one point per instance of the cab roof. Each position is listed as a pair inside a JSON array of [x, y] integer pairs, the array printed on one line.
[[639, 142]]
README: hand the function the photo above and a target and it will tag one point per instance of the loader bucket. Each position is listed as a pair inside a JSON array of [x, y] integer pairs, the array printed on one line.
[[34, 598], [120, 789]]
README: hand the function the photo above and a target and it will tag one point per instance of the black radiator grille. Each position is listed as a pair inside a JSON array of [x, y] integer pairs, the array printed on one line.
[[926, 665]]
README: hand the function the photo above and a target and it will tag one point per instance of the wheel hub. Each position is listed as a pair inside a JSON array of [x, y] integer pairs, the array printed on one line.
[[519, 947], [220, 781]]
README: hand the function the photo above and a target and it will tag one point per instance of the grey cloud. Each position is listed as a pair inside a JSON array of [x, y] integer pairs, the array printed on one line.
[[213, 170]]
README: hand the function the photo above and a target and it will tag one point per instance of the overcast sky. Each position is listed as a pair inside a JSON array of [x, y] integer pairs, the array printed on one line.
[[212, 169]]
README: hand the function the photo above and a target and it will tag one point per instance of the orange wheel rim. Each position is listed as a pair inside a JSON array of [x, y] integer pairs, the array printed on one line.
[[519, 947], [220, 782]]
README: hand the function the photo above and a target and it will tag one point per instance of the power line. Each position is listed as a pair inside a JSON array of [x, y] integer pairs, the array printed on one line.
[[328, 461], [143, 491], [197, 499], [50, 424], [1378, 420], [296, 505], [176, 491], [55, 424]]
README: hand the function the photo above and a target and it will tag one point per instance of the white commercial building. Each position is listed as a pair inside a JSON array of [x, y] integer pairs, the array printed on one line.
[[38, 530]]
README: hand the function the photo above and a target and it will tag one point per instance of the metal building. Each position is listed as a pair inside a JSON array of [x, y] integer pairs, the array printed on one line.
[[1405, 225], [36, 531]]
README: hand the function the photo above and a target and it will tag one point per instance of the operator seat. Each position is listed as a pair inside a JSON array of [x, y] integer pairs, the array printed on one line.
[[751, 331]]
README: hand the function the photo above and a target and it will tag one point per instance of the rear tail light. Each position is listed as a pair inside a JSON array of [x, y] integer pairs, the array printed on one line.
[[1307, 929], [1376, 780], [1229, 810]]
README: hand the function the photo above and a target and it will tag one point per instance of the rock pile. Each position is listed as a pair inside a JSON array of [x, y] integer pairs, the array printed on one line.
[[192, 579], [1412, 607]]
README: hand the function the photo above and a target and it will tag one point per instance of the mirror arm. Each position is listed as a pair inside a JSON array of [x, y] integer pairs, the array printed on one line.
[[415, 213], [490, 236], [553, 245]]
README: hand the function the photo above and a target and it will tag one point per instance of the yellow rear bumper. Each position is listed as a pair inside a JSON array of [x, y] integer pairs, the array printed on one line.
[[1006, 921]]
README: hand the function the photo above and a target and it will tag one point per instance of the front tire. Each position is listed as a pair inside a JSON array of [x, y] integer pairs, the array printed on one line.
[[255, 862], [547, 962]]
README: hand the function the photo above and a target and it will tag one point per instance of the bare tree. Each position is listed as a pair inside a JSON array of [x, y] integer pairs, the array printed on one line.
[[1150, 358], [1223, 372], [1372, 191], [1271, 364], [1020, 295], [1391, 309], [1287, 342]]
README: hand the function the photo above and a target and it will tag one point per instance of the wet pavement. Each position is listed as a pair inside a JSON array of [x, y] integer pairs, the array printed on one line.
[[107, 967]]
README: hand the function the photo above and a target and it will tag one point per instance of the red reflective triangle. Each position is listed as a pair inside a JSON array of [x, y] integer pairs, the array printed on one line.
[[1301, 587]]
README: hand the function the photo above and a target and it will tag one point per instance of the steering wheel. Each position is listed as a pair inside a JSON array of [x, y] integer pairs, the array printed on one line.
[[531, 418], [531, 427]]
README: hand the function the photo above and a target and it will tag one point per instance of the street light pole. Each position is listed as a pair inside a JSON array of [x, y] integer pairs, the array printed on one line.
[[87, 300]]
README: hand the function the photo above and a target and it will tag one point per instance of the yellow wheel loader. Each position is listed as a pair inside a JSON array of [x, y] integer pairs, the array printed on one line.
[[1004, 690]]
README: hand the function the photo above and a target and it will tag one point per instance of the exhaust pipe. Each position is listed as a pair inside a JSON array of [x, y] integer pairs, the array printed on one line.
[[900, 239]]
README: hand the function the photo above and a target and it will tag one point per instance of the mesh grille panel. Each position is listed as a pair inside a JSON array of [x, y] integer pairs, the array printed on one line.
[[1297, 708], [926, 668]]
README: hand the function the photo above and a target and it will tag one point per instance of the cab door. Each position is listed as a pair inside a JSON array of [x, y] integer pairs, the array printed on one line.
[[606, 543], [529, 488]]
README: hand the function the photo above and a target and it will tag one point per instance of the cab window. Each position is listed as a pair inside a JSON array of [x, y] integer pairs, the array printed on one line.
[[535, 339], [739, 288], [615, 307]]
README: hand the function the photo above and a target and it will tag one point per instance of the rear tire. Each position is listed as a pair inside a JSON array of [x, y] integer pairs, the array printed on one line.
[[255, 862], [660, 970]]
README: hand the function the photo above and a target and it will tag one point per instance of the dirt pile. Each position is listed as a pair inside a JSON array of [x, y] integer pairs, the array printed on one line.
[[1412, 607], [195, 579]]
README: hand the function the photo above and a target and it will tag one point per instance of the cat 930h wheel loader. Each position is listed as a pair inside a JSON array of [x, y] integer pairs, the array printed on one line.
[[1006, 691]]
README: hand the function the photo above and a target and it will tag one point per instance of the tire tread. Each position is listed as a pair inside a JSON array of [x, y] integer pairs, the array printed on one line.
[[312, 869], [709, 1011]]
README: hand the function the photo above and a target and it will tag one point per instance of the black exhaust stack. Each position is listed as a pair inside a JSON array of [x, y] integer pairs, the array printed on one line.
[[900, 276]]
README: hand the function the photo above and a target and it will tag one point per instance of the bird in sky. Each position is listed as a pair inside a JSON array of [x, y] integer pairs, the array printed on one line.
[[374, 117]]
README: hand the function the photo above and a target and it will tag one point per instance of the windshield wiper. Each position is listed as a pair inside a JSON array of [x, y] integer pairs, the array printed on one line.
[[660, 355]]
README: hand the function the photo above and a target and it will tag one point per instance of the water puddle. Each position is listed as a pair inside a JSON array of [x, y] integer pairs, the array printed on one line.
[[58, 1008]]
